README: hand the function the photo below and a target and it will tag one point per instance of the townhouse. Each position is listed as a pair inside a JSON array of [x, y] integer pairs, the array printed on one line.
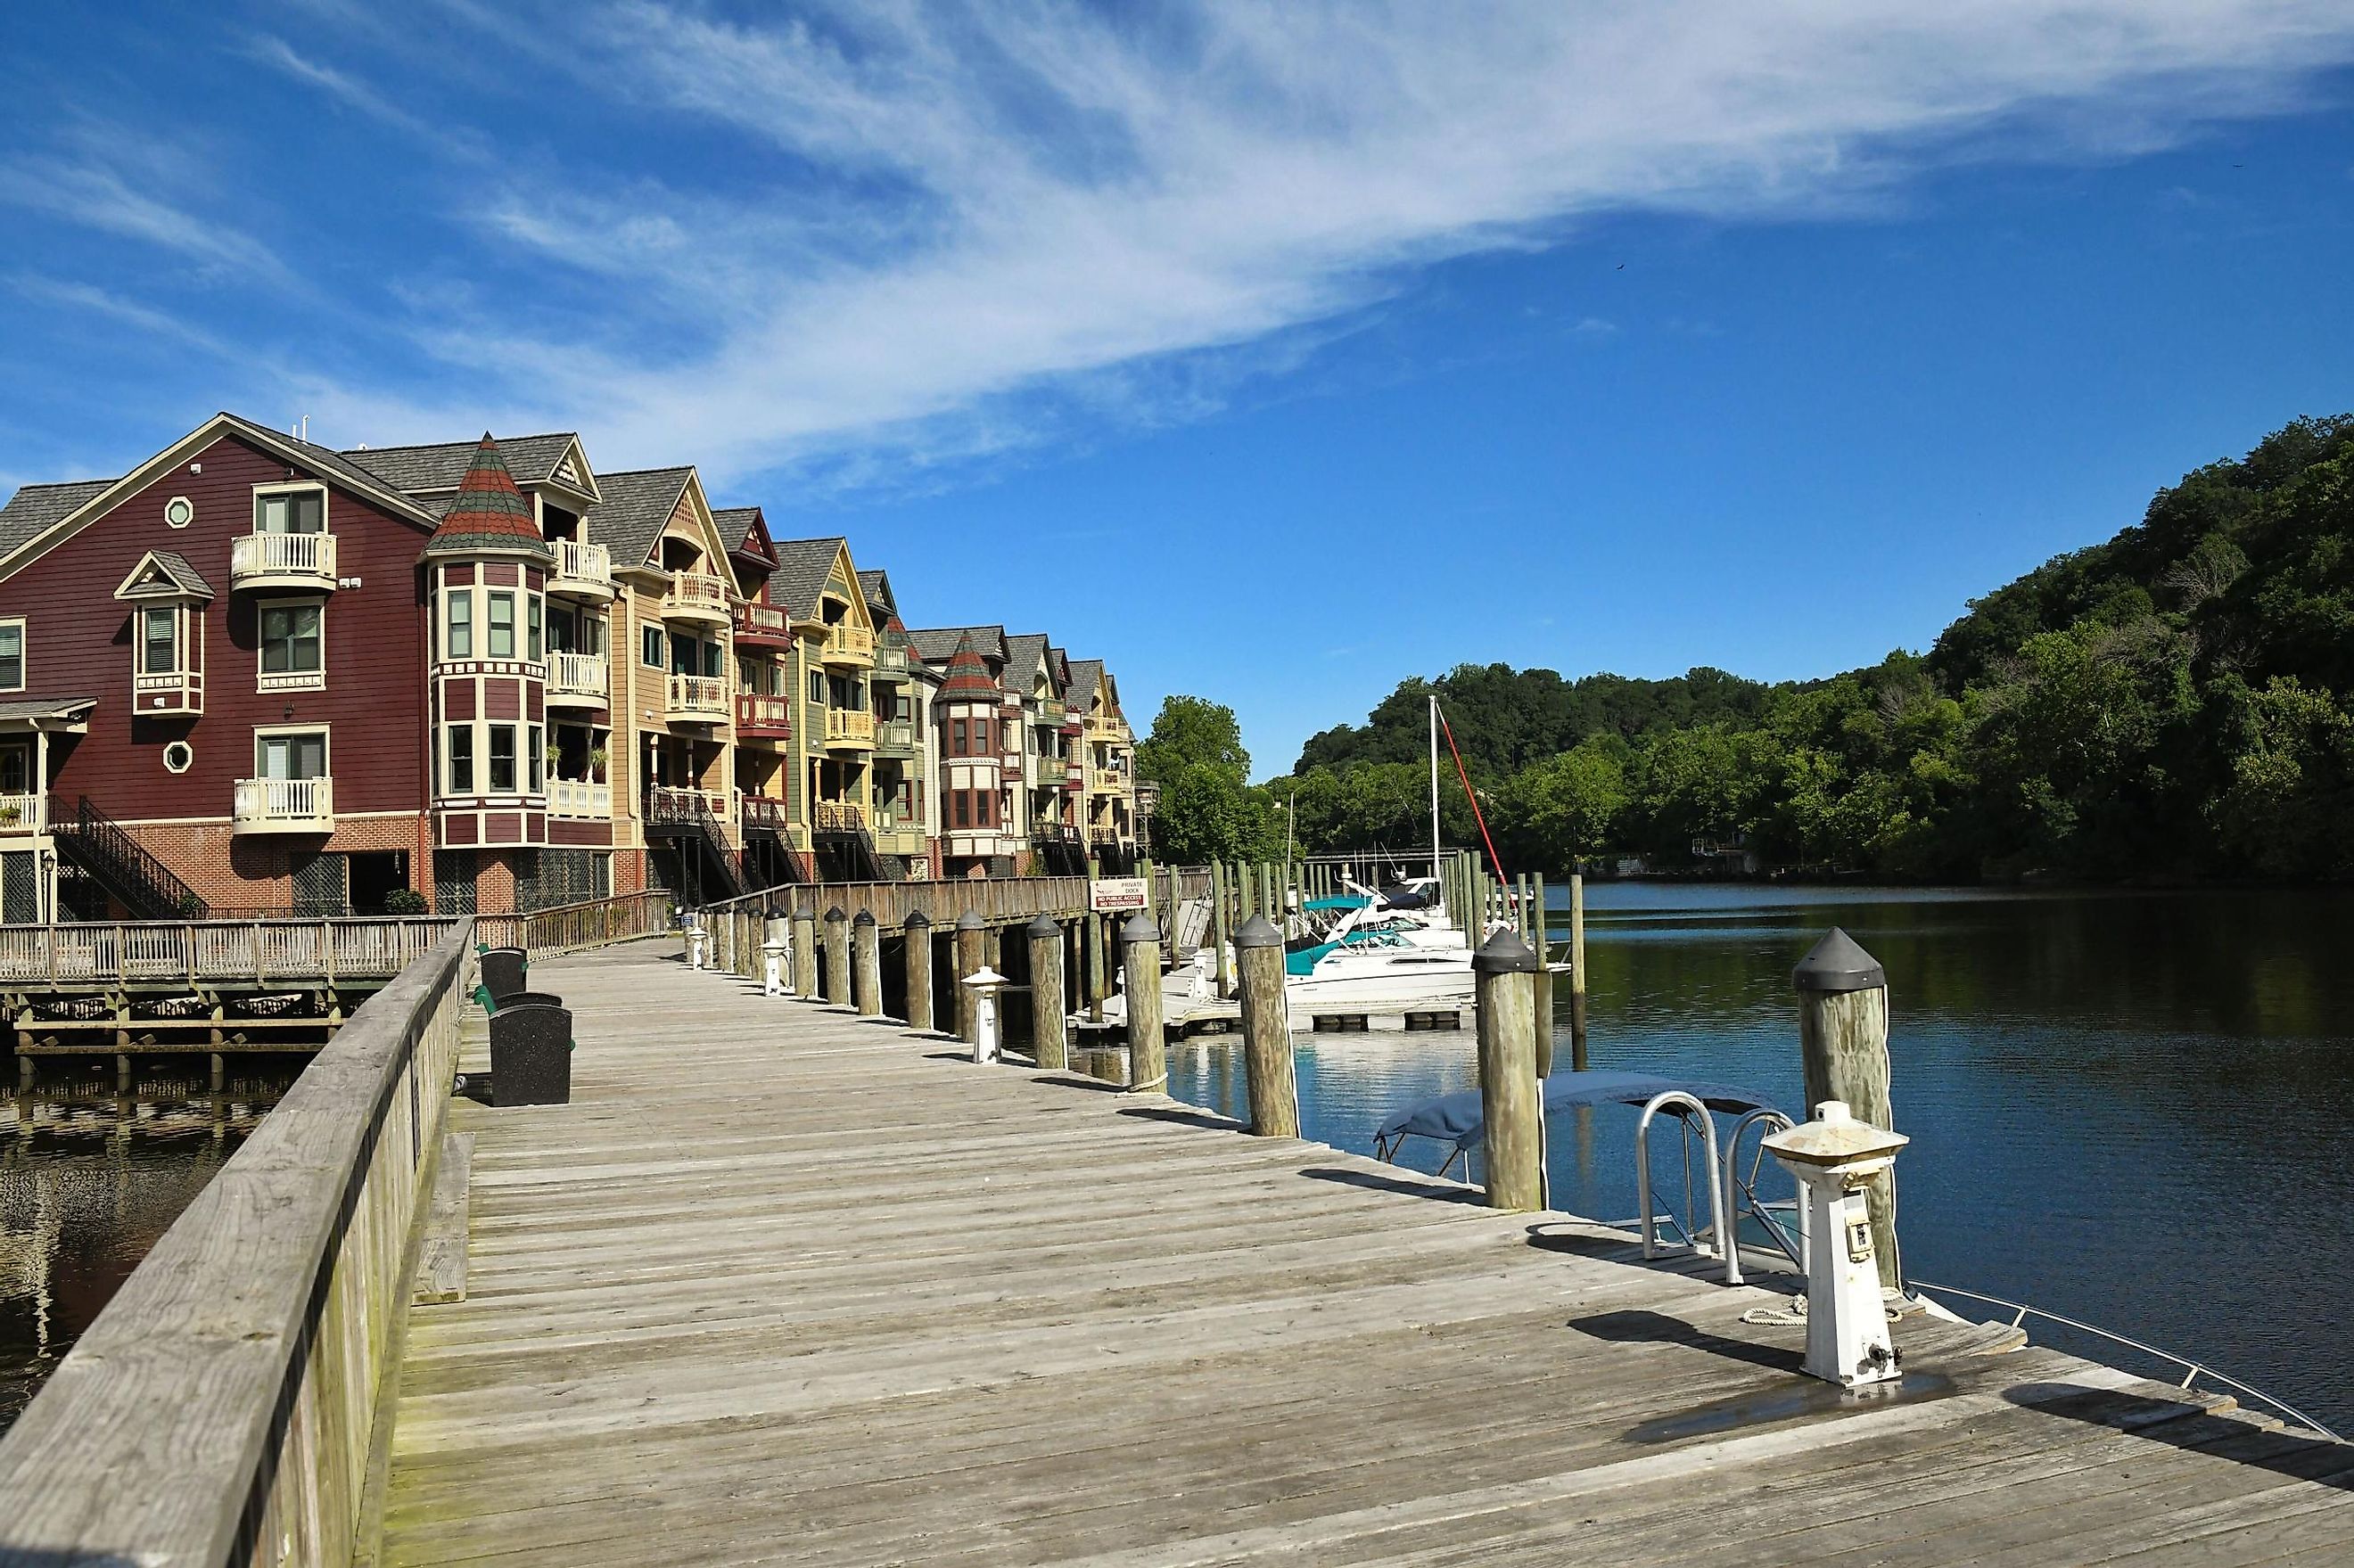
[[256, 674]]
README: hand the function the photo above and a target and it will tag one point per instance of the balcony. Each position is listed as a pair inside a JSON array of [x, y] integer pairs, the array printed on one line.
[[765, 813], [1109, 731], [285, 805], [1075, 776], [848, 647], [850, 728], [23, 815], [576, 681], [891, 663], [1107, 781], [896, 736], [1103, 835], [303, 562], [172, 692], [839, 817], [695, 699], [669, 805], [583, 572], [1051, 713], [763, 718], [578, 797], [763, 626], [696, 599]]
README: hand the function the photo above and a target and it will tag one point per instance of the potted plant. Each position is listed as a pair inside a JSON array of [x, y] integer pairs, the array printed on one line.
[[596, 765], [404, 901]]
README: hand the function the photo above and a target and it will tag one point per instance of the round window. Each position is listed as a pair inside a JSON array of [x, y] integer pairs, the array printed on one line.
[[179, 512], [178, 756]]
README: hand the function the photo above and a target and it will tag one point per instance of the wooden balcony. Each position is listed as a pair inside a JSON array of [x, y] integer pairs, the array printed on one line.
[[583, 572], [763, 626], [1110, 731], [576, 681], [763, 718], [766, 813], [695, 699], [696, 599], [850, 728], [22, 816], [1103, 835], [173, 692], [285, 805], [1107, 780], [1074, 775], [890, 663], [580, 799], [838, 816], [669, 805], [848, 647], [896, 737], [303, 562]]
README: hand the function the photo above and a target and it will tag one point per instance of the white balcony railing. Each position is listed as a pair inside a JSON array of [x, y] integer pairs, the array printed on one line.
[[22, 814], [577, 675], [579, 798], [698, 699], [261, 560], [582, 570], [697, 597], [849, 645], [896, 735], [285, 805]]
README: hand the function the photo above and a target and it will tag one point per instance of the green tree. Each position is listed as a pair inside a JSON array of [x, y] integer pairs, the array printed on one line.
[[1190, 732]]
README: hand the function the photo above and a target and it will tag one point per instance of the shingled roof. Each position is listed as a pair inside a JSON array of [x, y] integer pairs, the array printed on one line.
[[1023, 653], [488, 511], [165, 574], [37, 508], [422, 470], [967, 673], [1086, 674], [803, 567], [877, 586], [735, 525], [937, 644], [636, 509]]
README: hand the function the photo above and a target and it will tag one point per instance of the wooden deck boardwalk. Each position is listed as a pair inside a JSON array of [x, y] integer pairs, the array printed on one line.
[[782, 1286]]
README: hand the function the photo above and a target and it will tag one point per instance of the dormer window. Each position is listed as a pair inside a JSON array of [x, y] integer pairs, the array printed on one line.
[[167, 597]]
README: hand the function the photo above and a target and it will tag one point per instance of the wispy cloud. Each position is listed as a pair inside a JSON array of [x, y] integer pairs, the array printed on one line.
[[128, 313], [942, 224], [353, 93], [95, 193]]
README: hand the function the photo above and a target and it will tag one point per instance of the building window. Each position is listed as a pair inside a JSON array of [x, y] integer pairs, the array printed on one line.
[[503, 759], [159, 641], [956, 737], [178, 757], [499, 643], [12, 655], [817, 688], [980, 807], [650, 648], [290, 512], [532, 646], [461, 759], [462, 622], [981, 737], [963, 804], [293, 647], [292, 755], [533, 750]]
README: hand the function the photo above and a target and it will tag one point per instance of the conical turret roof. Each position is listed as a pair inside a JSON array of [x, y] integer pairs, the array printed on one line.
[[489, 514], [967, 673]]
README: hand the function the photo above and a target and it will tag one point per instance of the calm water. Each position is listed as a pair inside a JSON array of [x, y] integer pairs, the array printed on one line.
[[86, 1186], [2123, 1107]]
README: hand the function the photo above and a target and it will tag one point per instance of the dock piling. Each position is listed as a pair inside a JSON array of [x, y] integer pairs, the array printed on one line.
[[1843, 1048], [972, 958], [1577, 971], [1510, 1099], [1266, 1032], [919, 960], [867, 956], [1049, 1045], [1220, 933], [805, 952], [1147, 1049], [837, 956]]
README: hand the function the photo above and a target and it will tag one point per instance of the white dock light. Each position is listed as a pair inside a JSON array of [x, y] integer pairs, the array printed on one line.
[[1835, 1156], [696, 938], [985, 982]]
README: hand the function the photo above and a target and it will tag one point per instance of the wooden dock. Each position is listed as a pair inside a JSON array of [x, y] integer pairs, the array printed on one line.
[[781, 1285]]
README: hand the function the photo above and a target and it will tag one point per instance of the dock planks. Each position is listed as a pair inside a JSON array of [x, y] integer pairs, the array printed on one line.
[[781, 1285]]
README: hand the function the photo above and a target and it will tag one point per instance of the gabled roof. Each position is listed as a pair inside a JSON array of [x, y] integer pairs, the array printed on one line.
[[877, 586], [937, 644], [803, 568], [1086, 674], [531, 460], [745, 531], [59, 710], [968, 674], [36, 508], [488, 513], [165, 574], [1024, 653], [636, 509]]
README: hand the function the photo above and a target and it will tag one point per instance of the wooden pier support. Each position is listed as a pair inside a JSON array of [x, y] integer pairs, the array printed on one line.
[[805, 952], [837, 957], [1220, 934], [918, 961], [1843, 1047], [1147, 1048], [1511, 1100], [1092, 926], [1577, 971], [866, 959], [972, 958], [1050, 1045], [1266, 1032]]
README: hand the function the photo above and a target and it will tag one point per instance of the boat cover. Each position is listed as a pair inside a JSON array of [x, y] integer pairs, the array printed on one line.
[[1457, 1119]]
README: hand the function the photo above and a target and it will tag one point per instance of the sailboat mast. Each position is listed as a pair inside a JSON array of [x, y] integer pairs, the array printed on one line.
[[1434, 787]]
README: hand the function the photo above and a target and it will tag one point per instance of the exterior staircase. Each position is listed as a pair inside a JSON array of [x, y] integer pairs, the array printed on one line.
[[97, 861]]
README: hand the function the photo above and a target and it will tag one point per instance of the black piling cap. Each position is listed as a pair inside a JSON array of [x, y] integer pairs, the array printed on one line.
[[1046, 926], [863, 917], [919, 920], [1140, 928], [1259, 931], [775, 912], [835, 914], [1504, 954], [970, 920], [1837, 964]]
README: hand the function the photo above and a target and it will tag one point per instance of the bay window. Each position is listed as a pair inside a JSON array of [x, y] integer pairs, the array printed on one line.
[[503, 759], [499, 642], [460, 636]]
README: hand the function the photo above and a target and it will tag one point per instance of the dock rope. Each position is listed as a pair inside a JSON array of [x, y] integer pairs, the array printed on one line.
[[1891, 1302]]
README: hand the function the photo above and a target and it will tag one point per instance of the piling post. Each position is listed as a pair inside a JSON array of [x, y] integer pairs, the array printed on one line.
[[748, 941], [1219, 928], [1843, 1047], [837, 956], [867, 958], [1510, 1099], [1091, 934], [805, 952], [918, 960], [1147, 1048], [1049, 1045], [1543, 946], [1267, 1031], [971, 936], [1577, 971]]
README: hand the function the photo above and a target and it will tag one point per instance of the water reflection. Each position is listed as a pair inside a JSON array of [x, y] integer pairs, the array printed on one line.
[[2122, 1107], [89, 1179]]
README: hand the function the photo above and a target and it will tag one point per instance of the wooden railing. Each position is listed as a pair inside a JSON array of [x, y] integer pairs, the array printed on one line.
[[765, 812], [199, 951], [993, 898], [582, 567], [849, 726], [837, 816], [221, 1408], [763, 620], [846, 644], [285, 805], [761, 714], [578, 675], [578, 797], [698, 596], [568, 927], [698, 698], [266, 556], [24, 814]]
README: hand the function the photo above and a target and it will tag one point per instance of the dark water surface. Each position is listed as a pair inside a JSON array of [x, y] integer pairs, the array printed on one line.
[[86, 1185], [2124, 1108]]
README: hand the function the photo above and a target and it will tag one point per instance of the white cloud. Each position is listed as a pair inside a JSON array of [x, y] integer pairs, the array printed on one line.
[[95, 193], [943, 215], [128, 313], [280, 55]]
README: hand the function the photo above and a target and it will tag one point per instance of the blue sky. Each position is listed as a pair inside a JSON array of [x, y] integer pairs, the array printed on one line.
[[1270, 353]]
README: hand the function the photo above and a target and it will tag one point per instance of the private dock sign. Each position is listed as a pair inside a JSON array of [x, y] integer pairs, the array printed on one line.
[[1116, 892]]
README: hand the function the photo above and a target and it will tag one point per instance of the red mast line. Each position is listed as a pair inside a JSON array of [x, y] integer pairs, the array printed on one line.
[[1462, 773]]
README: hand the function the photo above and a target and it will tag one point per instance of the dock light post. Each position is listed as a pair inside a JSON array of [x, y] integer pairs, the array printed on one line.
[[773, 962], [695, 939], [1843, 1047], [982, 986], [1147, 1048], [837, 957], [917, 957], [1050, 1046], [1835, 1159], [1511, 1101], [805, 952]]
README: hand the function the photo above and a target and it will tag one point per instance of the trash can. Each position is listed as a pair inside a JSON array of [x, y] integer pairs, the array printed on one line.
[[531, 1056], [503, 972]]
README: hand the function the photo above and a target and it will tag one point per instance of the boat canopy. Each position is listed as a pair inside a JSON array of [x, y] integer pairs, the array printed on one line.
[[1340, 901], [1457, 1121]]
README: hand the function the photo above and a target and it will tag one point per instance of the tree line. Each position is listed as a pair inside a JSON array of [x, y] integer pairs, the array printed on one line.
[[2172, 704]]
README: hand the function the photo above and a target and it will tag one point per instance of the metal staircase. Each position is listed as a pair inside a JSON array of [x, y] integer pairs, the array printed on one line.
[[101, 861]]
